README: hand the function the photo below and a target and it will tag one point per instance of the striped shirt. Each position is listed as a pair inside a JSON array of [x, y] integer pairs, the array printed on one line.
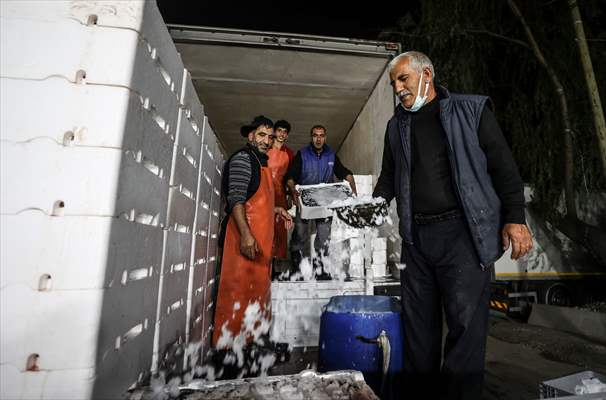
[[240, 174]]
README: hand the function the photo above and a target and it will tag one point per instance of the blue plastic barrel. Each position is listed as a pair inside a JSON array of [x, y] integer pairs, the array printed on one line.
[[349, 331]]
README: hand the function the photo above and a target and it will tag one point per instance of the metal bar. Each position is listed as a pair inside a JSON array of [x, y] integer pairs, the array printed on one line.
[[210, 35], [278, 83]]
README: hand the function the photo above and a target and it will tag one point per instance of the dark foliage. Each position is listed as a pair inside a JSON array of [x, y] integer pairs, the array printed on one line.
[[479, 47]]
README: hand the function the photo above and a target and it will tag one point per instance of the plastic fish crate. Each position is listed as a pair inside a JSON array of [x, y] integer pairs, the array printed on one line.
[[30, 40], [181, 211], [31, 52], [61, 331], [564, 386], [194, 110], [67, 384], [172, 311], [113, 250], [189, 138], [99, 116], [297, 308], [203, 218], [140, 16], [314, 199], [80, 181], [197, 297]]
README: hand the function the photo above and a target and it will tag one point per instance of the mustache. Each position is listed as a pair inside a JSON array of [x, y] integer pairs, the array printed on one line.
[[404, 93]]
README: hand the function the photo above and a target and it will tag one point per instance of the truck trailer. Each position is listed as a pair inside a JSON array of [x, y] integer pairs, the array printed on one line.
[[114, 129]]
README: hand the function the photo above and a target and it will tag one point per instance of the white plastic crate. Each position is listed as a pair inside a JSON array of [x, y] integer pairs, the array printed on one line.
[[30, 51], [379, 270], [191, 103], [190, 138], [69, 384], [60, 327], [181, 212], [200, 250], [114, 251], [172, 312], [209, 307], [101, 116], [203, 219], [314, 199], [297, 308], [140, 16], [185, 177], [379, 243], [81, 181], [379, 257], [198, 289]]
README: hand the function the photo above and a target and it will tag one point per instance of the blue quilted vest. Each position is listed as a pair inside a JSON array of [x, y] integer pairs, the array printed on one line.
[[460, 116], [317, 168]]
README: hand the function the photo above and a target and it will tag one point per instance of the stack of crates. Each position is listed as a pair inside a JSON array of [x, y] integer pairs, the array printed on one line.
[[102, 174]]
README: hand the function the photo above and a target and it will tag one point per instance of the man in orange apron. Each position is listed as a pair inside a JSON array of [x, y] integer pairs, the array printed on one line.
[[280, 156], [243, 306]]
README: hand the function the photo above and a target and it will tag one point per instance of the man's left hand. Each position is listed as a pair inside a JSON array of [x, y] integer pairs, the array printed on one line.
[[282, 213], [520, 238]]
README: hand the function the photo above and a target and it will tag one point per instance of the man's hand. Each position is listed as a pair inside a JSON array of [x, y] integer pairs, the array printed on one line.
[[248, 246], [293, 191], [283, 214], [520, 238]]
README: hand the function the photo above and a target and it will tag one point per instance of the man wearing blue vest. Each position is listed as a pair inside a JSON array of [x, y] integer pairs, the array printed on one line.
[[460, 201], [315, 163]]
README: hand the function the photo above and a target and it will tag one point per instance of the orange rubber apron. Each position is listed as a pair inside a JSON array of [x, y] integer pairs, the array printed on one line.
[[245, 281], [278, 163]]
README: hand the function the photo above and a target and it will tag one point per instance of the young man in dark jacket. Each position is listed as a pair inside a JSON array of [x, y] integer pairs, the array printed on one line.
[[460, 201]]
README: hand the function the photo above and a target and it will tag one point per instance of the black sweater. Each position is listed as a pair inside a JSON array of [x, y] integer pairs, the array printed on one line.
[[431, 177]]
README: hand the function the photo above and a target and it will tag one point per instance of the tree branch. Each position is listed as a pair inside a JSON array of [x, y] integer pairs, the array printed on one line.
[[499, 36]]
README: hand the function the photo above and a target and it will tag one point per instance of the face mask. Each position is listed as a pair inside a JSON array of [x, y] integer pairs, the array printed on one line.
[[419, 101]]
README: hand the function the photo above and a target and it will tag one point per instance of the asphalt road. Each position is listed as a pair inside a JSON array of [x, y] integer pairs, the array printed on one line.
[[518, 357]]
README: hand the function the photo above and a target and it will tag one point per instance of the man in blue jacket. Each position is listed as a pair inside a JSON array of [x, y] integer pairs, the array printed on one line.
[[460, 201], [315, 163]]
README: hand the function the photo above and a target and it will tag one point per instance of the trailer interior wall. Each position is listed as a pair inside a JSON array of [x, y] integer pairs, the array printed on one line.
[[362, 149]]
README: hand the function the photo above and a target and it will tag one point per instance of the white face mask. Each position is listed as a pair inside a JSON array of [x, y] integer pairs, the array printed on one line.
[[419, 101]]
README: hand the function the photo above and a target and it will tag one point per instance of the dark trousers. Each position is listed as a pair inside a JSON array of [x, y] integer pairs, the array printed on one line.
[[443, 273]]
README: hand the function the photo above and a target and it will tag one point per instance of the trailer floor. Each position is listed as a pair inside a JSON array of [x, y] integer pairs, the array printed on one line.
[[518, 357]]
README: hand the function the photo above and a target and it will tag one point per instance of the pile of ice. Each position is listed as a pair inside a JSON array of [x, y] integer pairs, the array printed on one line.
[[338, 385]]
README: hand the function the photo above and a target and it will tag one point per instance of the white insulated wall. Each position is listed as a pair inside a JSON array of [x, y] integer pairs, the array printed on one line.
[[362, 150], [110, 175]]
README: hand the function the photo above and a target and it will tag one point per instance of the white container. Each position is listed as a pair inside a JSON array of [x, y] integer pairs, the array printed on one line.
[[363, 179], [30, 52], [194, 110], [314, 199], [69, 384], [80, 181], [121, 252], [138, 16], [297, 308], [379, 243], [379, 257], [115, 345], [88, 115], [379, 270], [181, 212]]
